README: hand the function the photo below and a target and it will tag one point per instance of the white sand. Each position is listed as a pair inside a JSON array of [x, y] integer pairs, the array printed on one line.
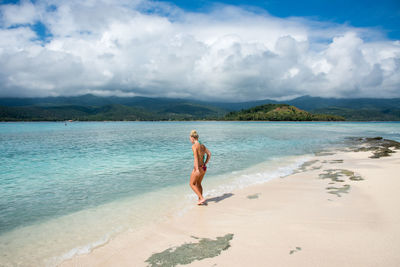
[[360, 228]]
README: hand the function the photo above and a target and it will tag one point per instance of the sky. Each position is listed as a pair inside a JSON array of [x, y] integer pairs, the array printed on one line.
[[230, 50]]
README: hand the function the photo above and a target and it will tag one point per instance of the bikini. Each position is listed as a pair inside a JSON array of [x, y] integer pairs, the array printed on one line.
[[204, 167]]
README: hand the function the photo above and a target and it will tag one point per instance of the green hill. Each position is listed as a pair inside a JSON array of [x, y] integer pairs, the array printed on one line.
[[81, 113], [112, 112], [91, 107], [363, 114], [278, 112]]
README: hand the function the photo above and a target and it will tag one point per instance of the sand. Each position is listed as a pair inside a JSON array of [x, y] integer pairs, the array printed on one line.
[[337, 210]]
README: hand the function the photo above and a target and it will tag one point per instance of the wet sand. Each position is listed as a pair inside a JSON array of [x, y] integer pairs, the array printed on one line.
[[336, 210]]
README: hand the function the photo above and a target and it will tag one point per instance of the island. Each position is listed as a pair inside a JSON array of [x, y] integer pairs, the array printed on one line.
[[278, 112]]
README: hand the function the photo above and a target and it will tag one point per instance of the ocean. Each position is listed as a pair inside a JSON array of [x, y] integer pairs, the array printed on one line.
[[66, 189]]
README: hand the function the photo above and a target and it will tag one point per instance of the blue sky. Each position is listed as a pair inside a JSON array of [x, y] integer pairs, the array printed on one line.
[[383, 14], [228, 50]]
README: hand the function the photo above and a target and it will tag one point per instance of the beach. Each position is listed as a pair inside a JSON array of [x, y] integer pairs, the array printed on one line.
[[121, 197], [338, 209], [297, 102]]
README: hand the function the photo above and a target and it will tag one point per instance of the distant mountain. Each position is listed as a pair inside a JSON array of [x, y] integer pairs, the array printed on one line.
[[90, 107], [90, 100], [73, 112], [313, 103], [278, 112], [357, 109]]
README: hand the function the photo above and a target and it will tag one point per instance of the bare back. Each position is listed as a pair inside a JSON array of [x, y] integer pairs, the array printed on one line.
[[199, 150]]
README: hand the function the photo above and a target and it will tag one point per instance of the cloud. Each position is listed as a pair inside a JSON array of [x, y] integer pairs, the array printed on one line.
[[153, 49], [19, 14]]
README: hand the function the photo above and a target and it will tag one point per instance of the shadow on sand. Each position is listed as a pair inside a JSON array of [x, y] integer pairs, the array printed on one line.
[[219, 198]]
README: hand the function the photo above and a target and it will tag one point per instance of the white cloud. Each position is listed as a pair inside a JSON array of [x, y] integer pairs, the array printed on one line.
[[23, 13], [147, 48]]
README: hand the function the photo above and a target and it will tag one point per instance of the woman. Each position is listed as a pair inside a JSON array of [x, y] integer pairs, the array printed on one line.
[[200, 168]]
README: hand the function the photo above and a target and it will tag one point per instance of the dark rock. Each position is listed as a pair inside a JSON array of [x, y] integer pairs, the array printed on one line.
[[381, 152], [380, 147], [189, 252], [373, 138]]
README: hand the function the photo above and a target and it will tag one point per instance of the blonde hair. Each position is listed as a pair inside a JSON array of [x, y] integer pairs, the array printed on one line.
[[194, 134]]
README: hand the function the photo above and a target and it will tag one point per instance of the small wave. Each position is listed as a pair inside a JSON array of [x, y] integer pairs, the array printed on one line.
[[86, 249], [271, 170], [261, 173], [262, 177]]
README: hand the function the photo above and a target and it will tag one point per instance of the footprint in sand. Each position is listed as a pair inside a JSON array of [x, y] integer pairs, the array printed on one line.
[[295, 250], [254, 196]]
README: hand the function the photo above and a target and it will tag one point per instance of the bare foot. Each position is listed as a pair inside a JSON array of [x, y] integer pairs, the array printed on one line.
[[201, 201]]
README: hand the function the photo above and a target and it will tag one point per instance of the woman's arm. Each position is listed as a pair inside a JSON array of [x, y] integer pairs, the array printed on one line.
[[208, 156]]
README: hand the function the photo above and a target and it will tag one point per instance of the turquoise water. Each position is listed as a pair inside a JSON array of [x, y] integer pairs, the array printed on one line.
[[52, 172]]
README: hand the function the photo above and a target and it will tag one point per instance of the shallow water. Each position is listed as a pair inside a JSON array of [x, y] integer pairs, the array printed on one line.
[[66, 189]]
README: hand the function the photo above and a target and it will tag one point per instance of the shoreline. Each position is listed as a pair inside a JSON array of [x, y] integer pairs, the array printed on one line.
[[219, 185], [336, 209], [86, 228], [62, 121]]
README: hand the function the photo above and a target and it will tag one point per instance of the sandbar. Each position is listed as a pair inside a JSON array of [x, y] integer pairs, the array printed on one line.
[[339, 209]]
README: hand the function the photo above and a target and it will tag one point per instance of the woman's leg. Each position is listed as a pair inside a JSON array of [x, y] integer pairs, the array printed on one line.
[[198, 184], [193, 184]]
